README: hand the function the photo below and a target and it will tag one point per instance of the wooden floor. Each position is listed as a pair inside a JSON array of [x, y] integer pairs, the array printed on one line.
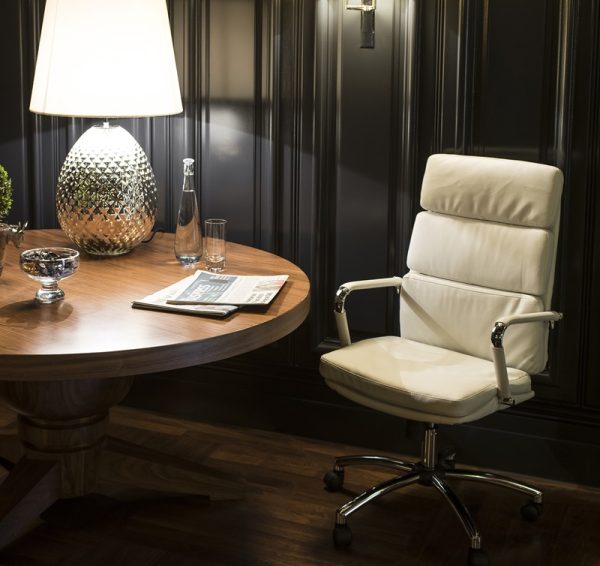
[[285, 516]]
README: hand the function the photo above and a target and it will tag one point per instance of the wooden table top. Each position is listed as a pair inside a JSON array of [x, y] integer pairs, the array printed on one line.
[[94, 332]]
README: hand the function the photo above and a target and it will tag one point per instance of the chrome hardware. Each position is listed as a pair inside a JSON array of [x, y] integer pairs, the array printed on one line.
[[498, 348], [429, 447], [555, 320], [340, 299], [346, 288], [496, 479], [363, 5], [367, 460], [367, 20], [498, 334], [428, 472], [461, 511], [373, 493]]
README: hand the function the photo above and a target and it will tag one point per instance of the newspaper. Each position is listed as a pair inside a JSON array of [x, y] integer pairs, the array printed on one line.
[[215, 289], [159, 301]]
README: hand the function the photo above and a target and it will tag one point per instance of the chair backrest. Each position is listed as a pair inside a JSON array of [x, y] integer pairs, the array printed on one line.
[[484, 247]]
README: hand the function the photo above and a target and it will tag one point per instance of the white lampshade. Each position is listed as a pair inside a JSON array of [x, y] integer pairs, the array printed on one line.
[[106, 58]]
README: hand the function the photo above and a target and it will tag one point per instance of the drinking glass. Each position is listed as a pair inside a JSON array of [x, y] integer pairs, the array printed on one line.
[[214, 244]]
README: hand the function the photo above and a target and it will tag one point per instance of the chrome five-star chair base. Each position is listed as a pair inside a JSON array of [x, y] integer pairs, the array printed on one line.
[[431, 472]]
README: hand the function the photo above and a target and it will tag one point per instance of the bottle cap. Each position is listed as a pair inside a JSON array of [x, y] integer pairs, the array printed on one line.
[[188, 166]]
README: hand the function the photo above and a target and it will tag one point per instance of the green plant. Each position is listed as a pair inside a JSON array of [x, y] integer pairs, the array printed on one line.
[[5, 193]]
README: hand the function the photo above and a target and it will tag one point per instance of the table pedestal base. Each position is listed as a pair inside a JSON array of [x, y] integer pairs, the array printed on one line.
[[74, 444], [62, 427]]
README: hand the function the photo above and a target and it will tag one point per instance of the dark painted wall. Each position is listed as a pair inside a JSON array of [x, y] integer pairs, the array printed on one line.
[[314, 148]]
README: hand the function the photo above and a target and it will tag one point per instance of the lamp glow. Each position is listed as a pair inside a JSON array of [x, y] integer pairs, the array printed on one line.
[[106, 59]]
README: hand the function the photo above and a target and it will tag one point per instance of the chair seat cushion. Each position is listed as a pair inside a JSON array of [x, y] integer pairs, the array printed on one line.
[[418, 381]]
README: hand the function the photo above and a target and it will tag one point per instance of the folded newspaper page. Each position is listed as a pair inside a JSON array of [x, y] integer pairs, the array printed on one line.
[[215, 289], [159, 301]]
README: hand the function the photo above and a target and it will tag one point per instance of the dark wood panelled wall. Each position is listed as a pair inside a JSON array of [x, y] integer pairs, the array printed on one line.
[[314, 148]]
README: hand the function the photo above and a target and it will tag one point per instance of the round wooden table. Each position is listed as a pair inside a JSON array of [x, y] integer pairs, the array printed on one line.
[[63, 365]]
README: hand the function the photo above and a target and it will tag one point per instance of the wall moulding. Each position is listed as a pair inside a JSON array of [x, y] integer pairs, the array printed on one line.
[[314, 148]]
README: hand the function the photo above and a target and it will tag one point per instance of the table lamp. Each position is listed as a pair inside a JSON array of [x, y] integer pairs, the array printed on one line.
[[106, 59]]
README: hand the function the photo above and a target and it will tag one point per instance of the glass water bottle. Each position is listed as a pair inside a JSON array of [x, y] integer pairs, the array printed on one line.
[[188, 237]]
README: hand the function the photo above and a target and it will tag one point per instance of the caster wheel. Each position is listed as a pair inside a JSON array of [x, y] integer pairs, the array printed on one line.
[[334, 480], [342, 536], [477, 557], [531, 511]]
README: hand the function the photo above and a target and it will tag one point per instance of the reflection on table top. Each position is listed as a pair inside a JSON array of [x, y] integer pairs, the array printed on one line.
[[94, 332]]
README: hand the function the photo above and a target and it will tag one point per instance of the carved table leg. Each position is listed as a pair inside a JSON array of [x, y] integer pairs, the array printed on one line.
[[129, 471], [30, 488]]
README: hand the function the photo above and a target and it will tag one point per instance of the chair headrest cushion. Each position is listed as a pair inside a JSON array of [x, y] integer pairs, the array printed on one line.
[[498, 190]]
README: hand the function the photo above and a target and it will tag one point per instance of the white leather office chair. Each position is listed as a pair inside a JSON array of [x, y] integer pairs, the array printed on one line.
[[481, 260]]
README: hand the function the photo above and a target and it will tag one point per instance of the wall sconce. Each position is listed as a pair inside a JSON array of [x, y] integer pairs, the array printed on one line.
[[367, 20]]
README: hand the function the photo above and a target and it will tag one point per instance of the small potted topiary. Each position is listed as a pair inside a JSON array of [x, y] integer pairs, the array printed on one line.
[[8, 232]]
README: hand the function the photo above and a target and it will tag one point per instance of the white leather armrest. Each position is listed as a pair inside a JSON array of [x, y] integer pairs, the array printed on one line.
[[372, 283], [546, 316], [345, 289], [498, 349]]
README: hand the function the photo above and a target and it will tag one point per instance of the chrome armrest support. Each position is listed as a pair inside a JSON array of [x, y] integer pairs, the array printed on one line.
[[499, 358], [342, 294], [340, 299]]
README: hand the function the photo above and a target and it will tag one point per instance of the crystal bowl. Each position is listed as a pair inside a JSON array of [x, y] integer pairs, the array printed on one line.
[[49, 266]]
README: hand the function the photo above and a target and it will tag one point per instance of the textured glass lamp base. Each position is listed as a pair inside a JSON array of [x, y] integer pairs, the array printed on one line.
[[106, 193]]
